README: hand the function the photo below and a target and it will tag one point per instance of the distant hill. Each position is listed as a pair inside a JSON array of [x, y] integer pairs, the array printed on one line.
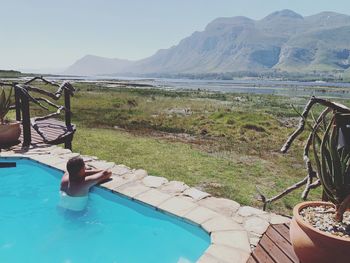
[[94, 65], [11, 74], [282, 41]]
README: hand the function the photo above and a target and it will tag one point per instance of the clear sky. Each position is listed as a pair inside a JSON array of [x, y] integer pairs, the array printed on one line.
[[55, 33]]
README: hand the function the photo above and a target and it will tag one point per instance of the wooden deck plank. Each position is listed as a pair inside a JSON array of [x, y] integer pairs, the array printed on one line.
[[51, 134], [260, 255], [282, 243], [283, 230], [274, 252], [251, 260], [35, 137], [274, 246], [53, 130]]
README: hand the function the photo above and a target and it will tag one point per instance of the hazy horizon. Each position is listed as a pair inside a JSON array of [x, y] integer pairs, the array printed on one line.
[[52, 35]]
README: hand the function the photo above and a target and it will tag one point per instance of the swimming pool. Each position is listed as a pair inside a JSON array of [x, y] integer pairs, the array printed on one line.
[[112, 228]]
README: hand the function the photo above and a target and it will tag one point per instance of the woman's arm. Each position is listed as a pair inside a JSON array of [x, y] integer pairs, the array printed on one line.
[[91, 172], [97, 177], [64, 182]]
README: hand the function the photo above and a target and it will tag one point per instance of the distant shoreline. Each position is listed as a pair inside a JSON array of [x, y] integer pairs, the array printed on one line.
[[241, 86]]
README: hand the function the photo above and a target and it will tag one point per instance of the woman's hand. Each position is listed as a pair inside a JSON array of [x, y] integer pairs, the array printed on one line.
[[106, 174]]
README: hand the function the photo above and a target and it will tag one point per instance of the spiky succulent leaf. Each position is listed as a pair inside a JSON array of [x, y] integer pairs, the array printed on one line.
[[321, 175], [5, 102], [327, 166]]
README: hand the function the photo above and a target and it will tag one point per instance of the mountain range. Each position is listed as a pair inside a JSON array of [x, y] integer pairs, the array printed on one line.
[[281, 41]]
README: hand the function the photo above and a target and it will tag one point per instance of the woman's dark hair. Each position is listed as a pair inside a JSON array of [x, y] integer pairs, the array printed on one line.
[[74, 165]]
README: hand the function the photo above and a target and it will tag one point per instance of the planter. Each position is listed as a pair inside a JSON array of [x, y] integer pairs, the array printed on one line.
[[9, 133], [312, 245]]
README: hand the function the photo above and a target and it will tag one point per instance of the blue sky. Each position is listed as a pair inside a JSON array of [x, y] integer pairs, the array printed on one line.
[[54, 34]]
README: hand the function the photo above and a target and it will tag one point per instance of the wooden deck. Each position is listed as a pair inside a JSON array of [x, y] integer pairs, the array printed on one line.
[[274, 247], [55, 132]]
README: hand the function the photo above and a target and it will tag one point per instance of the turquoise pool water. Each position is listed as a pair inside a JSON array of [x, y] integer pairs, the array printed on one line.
[[112, 228]]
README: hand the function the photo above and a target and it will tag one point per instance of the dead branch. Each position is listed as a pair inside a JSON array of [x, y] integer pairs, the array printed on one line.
[[48, 102], [280, 195], [57, 113], [6, 84], [334, 106], [309, 187], [42, 79], [65, 86], [311, 174], [30, 97]]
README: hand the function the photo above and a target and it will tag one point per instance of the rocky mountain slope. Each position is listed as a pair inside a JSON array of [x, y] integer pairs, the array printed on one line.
[[283, 40]]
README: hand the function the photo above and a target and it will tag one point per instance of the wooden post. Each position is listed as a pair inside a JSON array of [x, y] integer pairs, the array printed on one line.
[[27, 137], [68, 143], [67, 111], [68, 119], [17, 103]]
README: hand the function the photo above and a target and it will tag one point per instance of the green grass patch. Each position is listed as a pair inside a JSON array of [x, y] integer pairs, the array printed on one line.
[[221, 175]]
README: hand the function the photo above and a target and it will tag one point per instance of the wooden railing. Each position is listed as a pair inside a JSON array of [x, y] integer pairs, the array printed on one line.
[[23, 96]]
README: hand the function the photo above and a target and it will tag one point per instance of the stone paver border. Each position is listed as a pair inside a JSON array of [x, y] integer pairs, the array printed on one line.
[[234, 230]]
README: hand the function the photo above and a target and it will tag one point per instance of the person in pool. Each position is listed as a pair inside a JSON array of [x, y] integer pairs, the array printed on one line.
[[77, 181]]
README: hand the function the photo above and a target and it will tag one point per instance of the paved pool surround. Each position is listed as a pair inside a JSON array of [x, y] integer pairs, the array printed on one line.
[[234, 230]]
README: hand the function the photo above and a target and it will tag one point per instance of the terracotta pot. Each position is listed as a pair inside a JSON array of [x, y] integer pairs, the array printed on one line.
[[312, 245], [9, 133]]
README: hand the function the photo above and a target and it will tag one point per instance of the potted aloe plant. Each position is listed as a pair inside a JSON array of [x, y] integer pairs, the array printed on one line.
[[320, 231], [9, 130]]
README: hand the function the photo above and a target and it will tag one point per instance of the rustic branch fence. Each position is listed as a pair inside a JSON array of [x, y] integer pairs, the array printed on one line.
[[24, 95]]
